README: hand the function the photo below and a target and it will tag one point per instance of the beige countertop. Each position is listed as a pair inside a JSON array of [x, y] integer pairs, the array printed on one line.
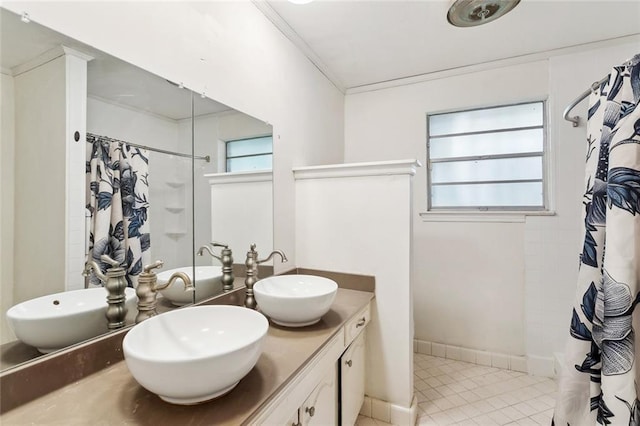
[[112, 396]]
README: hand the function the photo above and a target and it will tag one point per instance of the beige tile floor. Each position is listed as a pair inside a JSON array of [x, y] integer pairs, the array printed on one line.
[[454, 392]]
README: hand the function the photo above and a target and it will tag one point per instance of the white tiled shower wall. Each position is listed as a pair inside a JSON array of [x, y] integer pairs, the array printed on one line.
[[503, 286]]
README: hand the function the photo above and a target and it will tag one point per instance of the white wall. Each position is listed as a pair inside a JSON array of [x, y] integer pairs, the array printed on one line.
[[242, 213], [7, 158], [338, 228], [249, 66], [40, 234], [498, 286], [42, 230], [221, 215]]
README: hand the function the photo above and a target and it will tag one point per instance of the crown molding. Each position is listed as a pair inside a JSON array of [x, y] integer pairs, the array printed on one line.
[[277, 20], [48, 56], [493, 64]]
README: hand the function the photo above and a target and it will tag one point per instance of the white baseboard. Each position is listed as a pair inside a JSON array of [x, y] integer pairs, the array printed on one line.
[[537, 366], [390, 413]]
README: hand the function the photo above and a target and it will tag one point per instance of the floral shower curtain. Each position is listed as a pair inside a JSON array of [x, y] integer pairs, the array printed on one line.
[[600, 379], [117, 199]]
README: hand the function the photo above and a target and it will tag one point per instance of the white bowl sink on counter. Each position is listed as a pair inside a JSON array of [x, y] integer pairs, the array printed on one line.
[[58, 320], [208, 284], [195, 354], [295, 300]]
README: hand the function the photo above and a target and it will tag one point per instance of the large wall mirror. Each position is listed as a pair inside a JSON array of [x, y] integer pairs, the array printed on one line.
[[61, 101]]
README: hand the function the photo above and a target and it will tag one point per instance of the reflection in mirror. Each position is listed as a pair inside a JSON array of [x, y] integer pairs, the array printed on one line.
[[62, 104], [52, 87], [232, 207]]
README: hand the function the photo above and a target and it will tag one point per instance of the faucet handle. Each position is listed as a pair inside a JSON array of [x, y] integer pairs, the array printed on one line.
[[216, 244], [154, 265], [109, 260]]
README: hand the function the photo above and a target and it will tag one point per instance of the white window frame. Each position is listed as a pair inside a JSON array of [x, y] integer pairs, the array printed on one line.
[[492, 213], [226, 156]]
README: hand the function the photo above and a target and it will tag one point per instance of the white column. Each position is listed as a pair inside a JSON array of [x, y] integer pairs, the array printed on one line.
[[76, 121], [357, 218]]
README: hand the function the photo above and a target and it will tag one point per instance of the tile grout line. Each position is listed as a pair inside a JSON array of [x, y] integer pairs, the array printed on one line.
[[491, 408], [464, 393]]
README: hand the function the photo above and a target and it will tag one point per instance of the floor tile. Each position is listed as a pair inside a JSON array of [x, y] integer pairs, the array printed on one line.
[[456, 392]]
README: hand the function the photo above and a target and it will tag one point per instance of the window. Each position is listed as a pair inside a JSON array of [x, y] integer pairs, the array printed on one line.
[[487, 159], [249, 154]]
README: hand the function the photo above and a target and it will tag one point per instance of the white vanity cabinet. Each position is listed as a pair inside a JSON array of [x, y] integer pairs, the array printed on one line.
[[321, 407], [312, 397], [314, 389], [352, 378], [352, 368]]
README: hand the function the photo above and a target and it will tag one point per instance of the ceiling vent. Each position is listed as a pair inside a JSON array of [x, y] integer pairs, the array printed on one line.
[[470, 13]]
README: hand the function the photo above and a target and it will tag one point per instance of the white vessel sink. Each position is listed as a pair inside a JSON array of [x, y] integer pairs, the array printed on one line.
[[295, 300], [52, 322], [195, 354], [208, 284]]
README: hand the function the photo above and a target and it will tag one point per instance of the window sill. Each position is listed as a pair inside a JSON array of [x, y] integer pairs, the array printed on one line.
[[500, 217]]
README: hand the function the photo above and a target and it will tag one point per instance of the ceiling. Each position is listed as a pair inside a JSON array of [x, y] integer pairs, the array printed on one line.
[[108, 78], [357, 43]]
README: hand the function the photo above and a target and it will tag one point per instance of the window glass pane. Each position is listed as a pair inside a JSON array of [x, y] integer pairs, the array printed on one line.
[[259, 162], [487, 144], [249, 146], [506, 117], [526, 194], [483, 170]]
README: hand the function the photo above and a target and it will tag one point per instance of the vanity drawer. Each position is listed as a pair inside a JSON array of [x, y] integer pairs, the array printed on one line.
[[356, 325]]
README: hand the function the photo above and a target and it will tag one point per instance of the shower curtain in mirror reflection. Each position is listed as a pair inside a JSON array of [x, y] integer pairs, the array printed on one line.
[[118, 201], [600, 378]]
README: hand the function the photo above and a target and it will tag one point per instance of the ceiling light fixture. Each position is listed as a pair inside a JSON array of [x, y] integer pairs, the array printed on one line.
[[471, 13]]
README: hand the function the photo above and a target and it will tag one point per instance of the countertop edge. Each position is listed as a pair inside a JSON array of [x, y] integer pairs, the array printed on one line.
[[22, 412]]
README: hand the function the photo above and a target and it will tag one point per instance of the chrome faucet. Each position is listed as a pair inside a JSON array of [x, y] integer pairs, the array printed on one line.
[[226, 258], [115, 283], [252, 263], [147, 289]]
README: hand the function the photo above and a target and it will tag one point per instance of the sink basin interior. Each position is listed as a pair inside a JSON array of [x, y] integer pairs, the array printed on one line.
[[295, 300], [195, 354]]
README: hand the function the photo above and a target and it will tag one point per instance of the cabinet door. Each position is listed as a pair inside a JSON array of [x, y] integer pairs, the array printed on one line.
[[321, 407], [352, 377]]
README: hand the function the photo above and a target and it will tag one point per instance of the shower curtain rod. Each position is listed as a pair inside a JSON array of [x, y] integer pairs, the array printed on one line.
[[206, 158], [576, 120]]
